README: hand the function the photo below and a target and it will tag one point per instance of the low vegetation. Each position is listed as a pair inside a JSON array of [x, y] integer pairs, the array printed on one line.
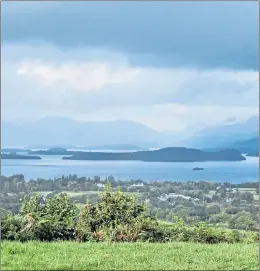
[[116, 232], [224, 205], [117, 217]]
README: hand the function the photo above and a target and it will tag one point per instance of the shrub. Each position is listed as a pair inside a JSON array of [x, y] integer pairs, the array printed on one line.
[[201, 233], [118, 217], [51, 220], [11, 228], [205, 234]]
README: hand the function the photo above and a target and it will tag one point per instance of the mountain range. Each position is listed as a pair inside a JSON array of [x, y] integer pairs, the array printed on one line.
[[247, 146], [239, 135], [64, 132]]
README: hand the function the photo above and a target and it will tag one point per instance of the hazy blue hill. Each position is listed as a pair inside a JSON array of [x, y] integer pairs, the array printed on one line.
[[245, 146], [62, 132], [172, 154], [225, 135], [66, 133]]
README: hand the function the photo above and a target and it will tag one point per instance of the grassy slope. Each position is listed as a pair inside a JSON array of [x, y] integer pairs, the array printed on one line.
[[128, 256]]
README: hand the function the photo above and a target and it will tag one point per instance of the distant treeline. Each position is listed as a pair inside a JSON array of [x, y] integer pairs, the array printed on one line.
[[116, 217], [223, 204]]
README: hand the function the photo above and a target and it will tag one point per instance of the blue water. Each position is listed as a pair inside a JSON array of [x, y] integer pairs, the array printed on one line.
[[54, 166]]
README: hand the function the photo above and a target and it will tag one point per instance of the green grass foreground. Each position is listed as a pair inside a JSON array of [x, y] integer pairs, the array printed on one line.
[[128, 256]]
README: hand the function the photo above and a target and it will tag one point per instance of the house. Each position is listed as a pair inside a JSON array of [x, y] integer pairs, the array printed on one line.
[[100, 185], [138, 184], [172, 195]]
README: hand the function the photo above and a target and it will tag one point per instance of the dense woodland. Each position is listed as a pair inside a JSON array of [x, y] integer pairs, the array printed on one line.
[[220, 204]]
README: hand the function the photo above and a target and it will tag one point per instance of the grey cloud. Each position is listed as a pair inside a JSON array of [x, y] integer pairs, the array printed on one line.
[[204, 34]]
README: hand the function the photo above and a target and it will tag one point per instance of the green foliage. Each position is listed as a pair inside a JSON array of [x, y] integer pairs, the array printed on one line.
[[12, 228], [115, 217], [248, 197], [204, 203], [243, 221], [218, 218], [203, 233], [118, 217], [51, 220]]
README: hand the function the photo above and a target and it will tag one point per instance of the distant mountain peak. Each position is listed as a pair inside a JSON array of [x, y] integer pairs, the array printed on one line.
[[60, 131], [225, 134]]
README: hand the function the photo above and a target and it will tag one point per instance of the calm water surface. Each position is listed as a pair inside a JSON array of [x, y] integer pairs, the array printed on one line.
[[53, 166]]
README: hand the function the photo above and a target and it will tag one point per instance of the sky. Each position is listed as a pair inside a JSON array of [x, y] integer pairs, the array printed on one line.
[[172, 66]]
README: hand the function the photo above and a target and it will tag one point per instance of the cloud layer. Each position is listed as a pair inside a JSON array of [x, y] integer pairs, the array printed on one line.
[[204, 34], [113, 84], [168, 65], [78, 76]]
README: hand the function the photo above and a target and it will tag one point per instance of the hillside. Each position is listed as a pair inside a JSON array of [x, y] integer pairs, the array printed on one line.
[[247, 146], [172, 154], [225, 135], [66, 132]]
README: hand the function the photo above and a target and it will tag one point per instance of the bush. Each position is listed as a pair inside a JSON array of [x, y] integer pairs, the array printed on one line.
[[51, 220], [205, 234], [201, 233], [12, 228], [118, 217]]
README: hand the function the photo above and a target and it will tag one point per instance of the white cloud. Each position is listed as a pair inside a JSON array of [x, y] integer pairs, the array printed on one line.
[[78, 76], [118, 83], [96, 85]]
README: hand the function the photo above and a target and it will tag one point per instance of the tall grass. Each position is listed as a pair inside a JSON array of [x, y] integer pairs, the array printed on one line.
[[128, 256]]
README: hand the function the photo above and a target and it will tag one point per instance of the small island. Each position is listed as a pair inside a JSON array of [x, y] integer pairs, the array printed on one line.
[[116, 147], [198, 168], [171, 154], [63, 151], [53, 151], [19, 156]]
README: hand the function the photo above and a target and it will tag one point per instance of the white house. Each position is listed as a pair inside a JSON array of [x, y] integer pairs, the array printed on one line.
[[138, 184], [100, 185]]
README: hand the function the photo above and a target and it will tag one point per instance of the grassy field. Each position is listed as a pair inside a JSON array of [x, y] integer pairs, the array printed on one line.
[[253, 190], [128, 256], [137, 194], [69, 193], [80, 193]]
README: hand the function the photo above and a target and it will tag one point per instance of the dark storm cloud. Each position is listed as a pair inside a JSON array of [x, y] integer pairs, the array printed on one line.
[[203, 34]]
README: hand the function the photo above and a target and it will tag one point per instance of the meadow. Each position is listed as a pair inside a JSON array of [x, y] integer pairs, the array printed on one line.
[[116, 233], [67, 255]]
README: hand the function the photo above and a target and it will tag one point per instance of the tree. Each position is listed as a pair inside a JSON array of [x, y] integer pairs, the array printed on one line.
[[218, 218], [200, 211], [248, 197], [50, 220], [213, 209], [116, 213], [243, 221], [215, 198]]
